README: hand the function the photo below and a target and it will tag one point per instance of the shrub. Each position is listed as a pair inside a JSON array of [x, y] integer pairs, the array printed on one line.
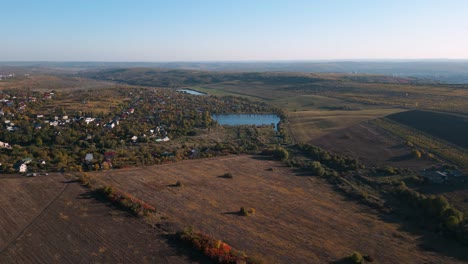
[[215, 249], [179, 184], [243, 211], [246, 212], [252, 211], [317, 168], [280, 154], [356, 257], [227, 175], [416, 153]]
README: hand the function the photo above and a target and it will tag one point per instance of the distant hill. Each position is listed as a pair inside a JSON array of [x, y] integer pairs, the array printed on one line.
[[446, 71], [177, 78]]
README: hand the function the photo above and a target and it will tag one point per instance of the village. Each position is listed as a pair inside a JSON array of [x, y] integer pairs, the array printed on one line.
[[40, 135]]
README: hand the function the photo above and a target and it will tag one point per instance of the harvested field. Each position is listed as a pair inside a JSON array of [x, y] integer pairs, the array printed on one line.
[[298, 219], [373, 146], [310, 125], [449, 127], [50, 220]]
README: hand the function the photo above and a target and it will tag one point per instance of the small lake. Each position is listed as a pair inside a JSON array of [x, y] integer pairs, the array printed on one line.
[[247, 119], [188, 91]]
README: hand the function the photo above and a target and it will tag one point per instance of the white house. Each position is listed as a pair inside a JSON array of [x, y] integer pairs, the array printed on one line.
[[23, 168], [5, 145], [89, 157]]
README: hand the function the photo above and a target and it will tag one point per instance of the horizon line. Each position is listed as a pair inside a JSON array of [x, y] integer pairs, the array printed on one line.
[[236, 61]]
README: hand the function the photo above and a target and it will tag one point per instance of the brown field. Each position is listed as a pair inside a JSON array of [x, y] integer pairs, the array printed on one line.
[[307, 126], [298, 219], [373, 146], [47, 219], [47, 83]]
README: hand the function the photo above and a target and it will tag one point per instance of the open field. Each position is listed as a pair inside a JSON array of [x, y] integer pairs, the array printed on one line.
[[310, 125], [449, 127], [47, 83], [298, 219], [48, 219], [373, 146], [104, 101], [445, 150], [271, 86]]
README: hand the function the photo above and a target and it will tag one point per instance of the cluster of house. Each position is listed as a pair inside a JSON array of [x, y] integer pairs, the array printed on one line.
[[55, 121], [441, 175], [159, 133], [22, 165], [6, 76], [60, 121], [106, 163], [20, 100], [111, 124]]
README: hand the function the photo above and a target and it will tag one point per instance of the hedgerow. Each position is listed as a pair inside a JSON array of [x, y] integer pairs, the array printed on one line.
[[215, 249]]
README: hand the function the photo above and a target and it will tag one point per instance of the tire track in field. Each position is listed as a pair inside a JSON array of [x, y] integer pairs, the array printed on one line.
[[20, 232]]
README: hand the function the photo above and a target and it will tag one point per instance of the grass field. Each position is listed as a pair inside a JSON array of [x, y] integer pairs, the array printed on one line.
[[298, 219], [449, 127], [373, 146], [47, 83], [309, 125], [105, 101], [48, 219], [442, 149]]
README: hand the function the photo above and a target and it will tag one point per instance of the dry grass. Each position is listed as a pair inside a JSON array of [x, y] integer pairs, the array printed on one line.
[[46, 83], [373, 146], [43, 221], [297, 220], [309, 125]]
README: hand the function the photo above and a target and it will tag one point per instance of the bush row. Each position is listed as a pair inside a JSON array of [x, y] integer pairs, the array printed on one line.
[[117, 197], [435, 212], [215, 249], [127, 201], [332, 160]]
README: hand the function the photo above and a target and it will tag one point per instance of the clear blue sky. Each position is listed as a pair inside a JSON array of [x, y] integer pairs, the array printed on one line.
[[219, 30]]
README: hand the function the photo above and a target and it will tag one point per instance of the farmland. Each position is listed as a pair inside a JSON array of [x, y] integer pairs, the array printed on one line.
[[312, 124], [366, 90], [316, 205], [373, 146], [54, 220], [449, 127], [298, 219]]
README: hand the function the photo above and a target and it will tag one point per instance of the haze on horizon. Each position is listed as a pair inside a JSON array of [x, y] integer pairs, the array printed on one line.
[[243, 30]]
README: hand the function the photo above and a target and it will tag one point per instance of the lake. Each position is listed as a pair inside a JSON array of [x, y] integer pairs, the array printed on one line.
[[190, 92], [247, 119]]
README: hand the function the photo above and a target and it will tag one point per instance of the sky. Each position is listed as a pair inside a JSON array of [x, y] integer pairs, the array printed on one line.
[[232, 30]]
